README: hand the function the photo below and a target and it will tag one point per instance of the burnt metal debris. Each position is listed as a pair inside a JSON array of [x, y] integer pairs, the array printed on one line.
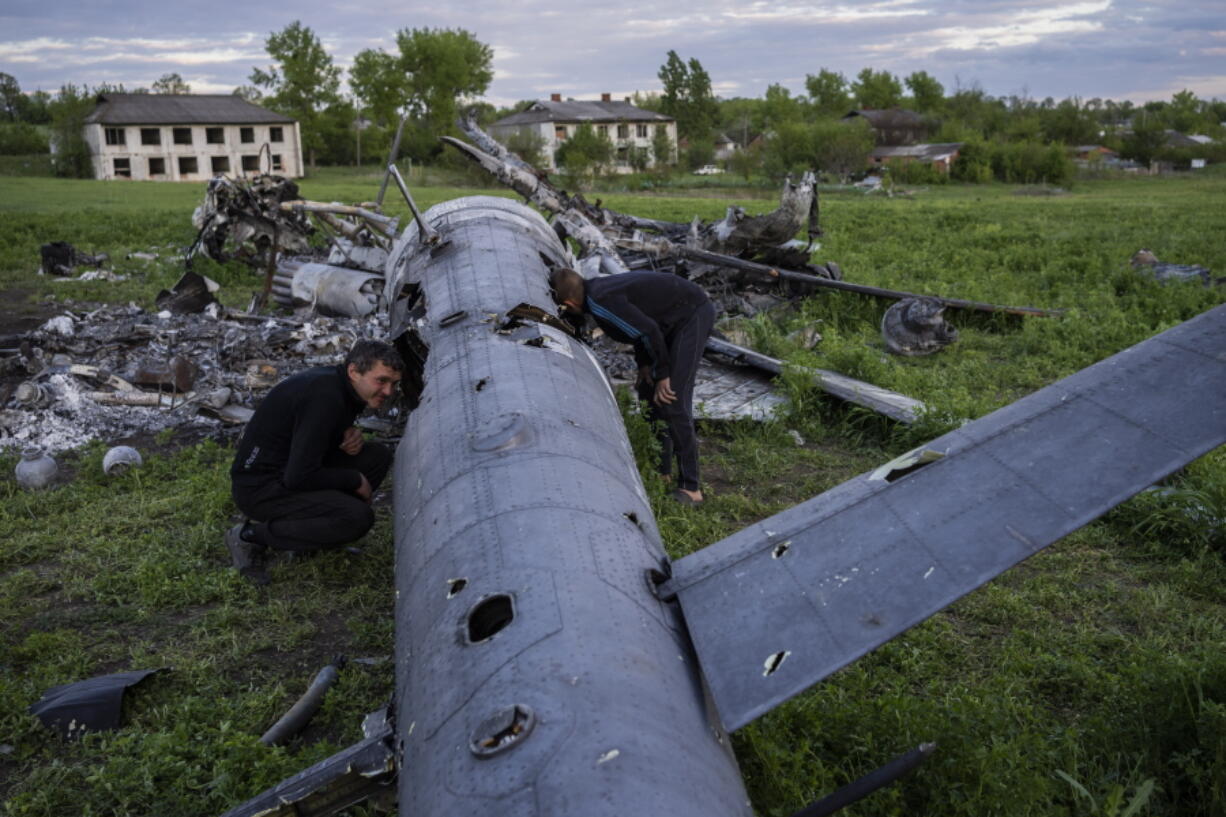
[[916, 327], [91, 705], [1163, 272], [61, 258]]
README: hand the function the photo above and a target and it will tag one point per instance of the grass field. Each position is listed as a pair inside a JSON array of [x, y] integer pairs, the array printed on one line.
[[1091, 680]]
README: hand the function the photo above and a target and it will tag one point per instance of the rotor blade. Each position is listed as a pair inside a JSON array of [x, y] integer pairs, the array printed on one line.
[[783, 603]]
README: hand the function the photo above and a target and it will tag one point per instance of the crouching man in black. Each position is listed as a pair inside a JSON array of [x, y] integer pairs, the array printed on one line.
[[303, 476], [667, 319]]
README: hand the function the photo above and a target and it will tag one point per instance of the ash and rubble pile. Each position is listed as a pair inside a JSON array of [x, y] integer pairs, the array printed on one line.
[[120, 371]]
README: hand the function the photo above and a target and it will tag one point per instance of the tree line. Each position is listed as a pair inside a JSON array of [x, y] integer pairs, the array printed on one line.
[[432, 72]]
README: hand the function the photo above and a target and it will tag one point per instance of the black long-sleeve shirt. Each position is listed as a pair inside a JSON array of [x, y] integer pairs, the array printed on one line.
[[301, 420], [643, 308]]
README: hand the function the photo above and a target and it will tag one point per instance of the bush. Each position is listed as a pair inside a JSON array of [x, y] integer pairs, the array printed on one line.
[[21, 139]]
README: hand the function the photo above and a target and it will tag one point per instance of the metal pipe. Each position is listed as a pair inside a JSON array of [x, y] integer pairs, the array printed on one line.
[[430, 235], [391, 159], [293, 721]]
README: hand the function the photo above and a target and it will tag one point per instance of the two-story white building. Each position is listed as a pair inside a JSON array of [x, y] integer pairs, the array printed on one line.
[[189, 137], [626, 126]]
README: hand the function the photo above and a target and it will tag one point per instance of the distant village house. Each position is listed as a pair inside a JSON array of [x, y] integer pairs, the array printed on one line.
[[189, 137], [628, 127], [940, 156]]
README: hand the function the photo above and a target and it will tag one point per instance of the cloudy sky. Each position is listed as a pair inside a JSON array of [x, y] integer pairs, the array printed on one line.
[[1117, 49]]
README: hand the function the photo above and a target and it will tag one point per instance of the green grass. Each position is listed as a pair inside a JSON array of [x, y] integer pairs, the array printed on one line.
[[1088, 680]]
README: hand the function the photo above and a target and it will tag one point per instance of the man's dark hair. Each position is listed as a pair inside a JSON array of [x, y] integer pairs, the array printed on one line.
[[366, 353], [567, 285]]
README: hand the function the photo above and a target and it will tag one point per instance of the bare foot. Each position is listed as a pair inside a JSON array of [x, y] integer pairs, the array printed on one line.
[[694, 495]]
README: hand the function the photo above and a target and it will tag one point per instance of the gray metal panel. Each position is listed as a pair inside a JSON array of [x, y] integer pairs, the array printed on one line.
[[515, 476], [826, 582]]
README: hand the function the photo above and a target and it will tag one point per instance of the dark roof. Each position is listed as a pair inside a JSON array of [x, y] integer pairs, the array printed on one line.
[[545, 110], [889, 117], [180, 109]]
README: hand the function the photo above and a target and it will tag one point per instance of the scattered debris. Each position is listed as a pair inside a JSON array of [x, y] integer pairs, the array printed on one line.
[[191, 293], [916, 327], [61, 258], [796, 438], [296, 719], [119, 459], [242, 219], [1163, 272], [35, 470], [90, 705], [141, 373]]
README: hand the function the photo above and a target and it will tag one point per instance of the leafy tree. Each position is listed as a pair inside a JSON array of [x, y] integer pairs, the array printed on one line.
[[876, 89], [780, 106], [586, 152], [927, 93], [746, 161], [69, 148], [440, 65], [1070, 123], [639, 158], [1186, 113], [663, 151], [21, 139], [378, 84], [700, 152], [841, 148], [688, 98], [828, 93], [250, 93], [171, 84], [1146, 139], [302, 84], [528, 145], [10, 97], [32, 108]]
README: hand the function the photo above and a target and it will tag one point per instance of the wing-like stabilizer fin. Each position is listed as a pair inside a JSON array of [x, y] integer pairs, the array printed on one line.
[[785, 602]]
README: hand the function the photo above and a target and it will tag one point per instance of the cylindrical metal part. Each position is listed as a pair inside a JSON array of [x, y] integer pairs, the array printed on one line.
[[293, 721], [536, 671]]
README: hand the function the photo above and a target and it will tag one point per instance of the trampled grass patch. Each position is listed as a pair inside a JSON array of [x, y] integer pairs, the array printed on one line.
[[1089, 679]]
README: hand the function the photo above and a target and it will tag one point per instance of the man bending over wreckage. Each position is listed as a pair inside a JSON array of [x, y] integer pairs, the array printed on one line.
[[667, 319], [303, 476]]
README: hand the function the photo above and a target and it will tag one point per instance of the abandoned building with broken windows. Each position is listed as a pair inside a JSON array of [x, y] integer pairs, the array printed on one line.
[[189, 137]]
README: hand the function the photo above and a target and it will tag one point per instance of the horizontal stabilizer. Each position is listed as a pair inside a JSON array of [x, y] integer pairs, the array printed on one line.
[[787, 601]]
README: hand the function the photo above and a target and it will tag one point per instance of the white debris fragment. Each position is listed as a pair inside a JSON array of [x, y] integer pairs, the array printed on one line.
[[60, 325], [796, 438]]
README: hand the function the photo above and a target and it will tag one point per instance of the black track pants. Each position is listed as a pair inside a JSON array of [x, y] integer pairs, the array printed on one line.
[[313, 520], [685, 345]]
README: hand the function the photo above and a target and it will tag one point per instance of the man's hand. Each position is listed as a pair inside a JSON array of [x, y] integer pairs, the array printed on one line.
[[351, 443], [364, 490], [664, 392]]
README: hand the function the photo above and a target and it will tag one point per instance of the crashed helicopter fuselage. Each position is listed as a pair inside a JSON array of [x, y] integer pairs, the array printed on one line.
[[537, 672]]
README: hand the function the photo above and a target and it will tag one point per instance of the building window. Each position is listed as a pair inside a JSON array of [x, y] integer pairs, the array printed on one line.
[[251, 164], [221, 164], [276, 162], [123, 168], [157, 166], [246, 135], [183, 136], [603, 130], [188, 166], [623, 155], [640, 131], [623, 131], [114, 136], [215, 136], [559, 132], [275, 135], [151, 136]]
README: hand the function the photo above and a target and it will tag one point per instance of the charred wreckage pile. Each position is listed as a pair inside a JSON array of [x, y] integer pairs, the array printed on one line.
[[116, 372]]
